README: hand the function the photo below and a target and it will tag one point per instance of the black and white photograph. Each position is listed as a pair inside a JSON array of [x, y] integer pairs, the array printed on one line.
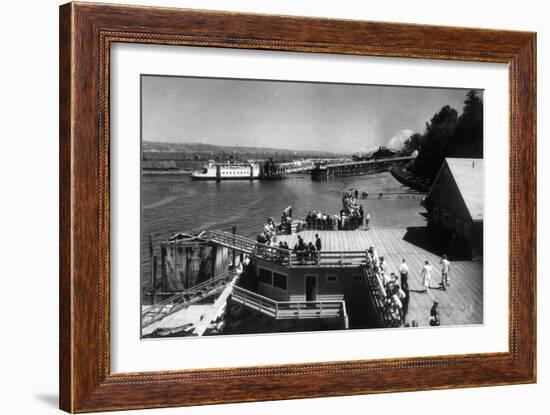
[[273, 206]]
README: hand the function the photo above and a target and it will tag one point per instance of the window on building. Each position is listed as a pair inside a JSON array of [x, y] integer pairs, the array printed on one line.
[[279, 280], [458, 226], [446, 218], [265, 276], [436, 214], [332, 278], [357, 278]]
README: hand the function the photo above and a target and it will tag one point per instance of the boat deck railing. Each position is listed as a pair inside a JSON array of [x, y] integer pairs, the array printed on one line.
[[288, 257], [286, 310]]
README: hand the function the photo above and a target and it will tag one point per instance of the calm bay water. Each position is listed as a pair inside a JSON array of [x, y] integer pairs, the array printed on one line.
[[171, 203]]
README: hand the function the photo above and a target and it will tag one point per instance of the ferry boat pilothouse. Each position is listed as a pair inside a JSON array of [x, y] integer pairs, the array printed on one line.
[[227, 171]]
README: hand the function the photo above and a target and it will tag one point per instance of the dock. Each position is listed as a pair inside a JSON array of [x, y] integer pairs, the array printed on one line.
[[357, 168], [461, 303]]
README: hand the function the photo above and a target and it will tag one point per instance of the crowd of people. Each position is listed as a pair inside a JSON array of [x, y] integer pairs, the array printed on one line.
[[307, 251], [319, 221], [394, 290], [269, 233], [351, 216], [285, 227]]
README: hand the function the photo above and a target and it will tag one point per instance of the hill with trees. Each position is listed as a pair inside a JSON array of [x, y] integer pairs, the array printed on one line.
[[448, 135]]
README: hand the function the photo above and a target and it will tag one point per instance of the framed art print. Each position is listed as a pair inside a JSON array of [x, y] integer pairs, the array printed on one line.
[[261, 207]]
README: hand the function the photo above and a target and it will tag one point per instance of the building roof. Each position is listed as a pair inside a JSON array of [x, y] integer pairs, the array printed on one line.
[[468, 175]]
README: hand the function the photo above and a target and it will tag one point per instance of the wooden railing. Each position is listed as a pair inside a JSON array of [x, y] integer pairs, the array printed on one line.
[[185, 298], [378, 295], [272, 253], [232, 241], [287, 257], [255, 301], [285, 310], [329, 259]]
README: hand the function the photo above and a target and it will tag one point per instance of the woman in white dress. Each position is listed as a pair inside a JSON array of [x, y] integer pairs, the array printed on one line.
[[426, 276]]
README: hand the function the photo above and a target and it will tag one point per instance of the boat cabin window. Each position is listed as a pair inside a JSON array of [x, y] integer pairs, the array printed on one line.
[[265, 276], [279, 280]]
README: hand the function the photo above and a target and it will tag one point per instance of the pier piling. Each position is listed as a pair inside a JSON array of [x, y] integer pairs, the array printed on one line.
[[234, 232], [154, 280]]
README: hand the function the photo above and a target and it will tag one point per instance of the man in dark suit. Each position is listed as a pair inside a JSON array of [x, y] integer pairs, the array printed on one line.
[[318, 244]]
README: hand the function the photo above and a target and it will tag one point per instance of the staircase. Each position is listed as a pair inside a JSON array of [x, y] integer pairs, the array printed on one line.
[[286, 310]]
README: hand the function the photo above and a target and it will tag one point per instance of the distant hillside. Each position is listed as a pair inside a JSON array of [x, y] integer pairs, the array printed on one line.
[[201, 147]]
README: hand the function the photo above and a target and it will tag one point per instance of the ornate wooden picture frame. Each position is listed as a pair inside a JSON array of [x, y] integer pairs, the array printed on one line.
[[87, 32]]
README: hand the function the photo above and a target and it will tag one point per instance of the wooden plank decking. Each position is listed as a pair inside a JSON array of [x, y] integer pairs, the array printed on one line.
[[461, 303]]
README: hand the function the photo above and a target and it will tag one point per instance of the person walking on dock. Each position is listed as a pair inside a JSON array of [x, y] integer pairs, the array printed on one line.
[[403, 272], [374, 259], [434, 315], [382, 265], [445, 268], [405, 300], [426, 276], [367, 220], [402, 298]]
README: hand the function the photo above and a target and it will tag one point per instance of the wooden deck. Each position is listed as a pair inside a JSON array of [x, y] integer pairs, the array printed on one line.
[[461, 303]]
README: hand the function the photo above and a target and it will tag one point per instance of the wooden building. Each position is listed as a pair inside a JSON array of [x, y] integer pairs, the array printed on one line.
[[187, 260], [309, 282], [455, 206]]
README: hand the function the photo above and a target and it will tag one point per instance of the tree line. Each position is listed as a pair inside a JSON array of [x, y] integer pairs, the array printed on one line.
[[448, 135]]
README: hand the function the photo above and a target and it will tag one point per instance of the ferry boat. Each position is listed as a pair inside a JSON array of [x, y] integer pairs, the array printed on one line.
[[227, 171]]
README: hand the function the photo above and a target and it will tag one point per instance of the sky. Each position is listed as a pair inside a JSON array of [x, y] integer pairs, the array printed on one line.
[[285, 115]]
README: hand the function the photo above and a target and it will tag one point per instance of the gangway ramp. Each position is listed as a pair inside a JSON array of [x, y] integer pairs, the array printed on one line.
[[186, 298], [232, 241]]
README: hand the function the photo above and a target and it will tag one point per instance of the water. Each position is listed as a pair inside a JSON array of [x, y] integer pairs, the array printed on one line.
[[171, 203]]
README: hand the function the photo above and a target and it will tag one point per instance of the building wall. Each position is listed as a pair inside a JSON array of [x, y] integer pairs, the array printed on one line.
[[447, 214], [446, 208], [184, 265], [333, 284]]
